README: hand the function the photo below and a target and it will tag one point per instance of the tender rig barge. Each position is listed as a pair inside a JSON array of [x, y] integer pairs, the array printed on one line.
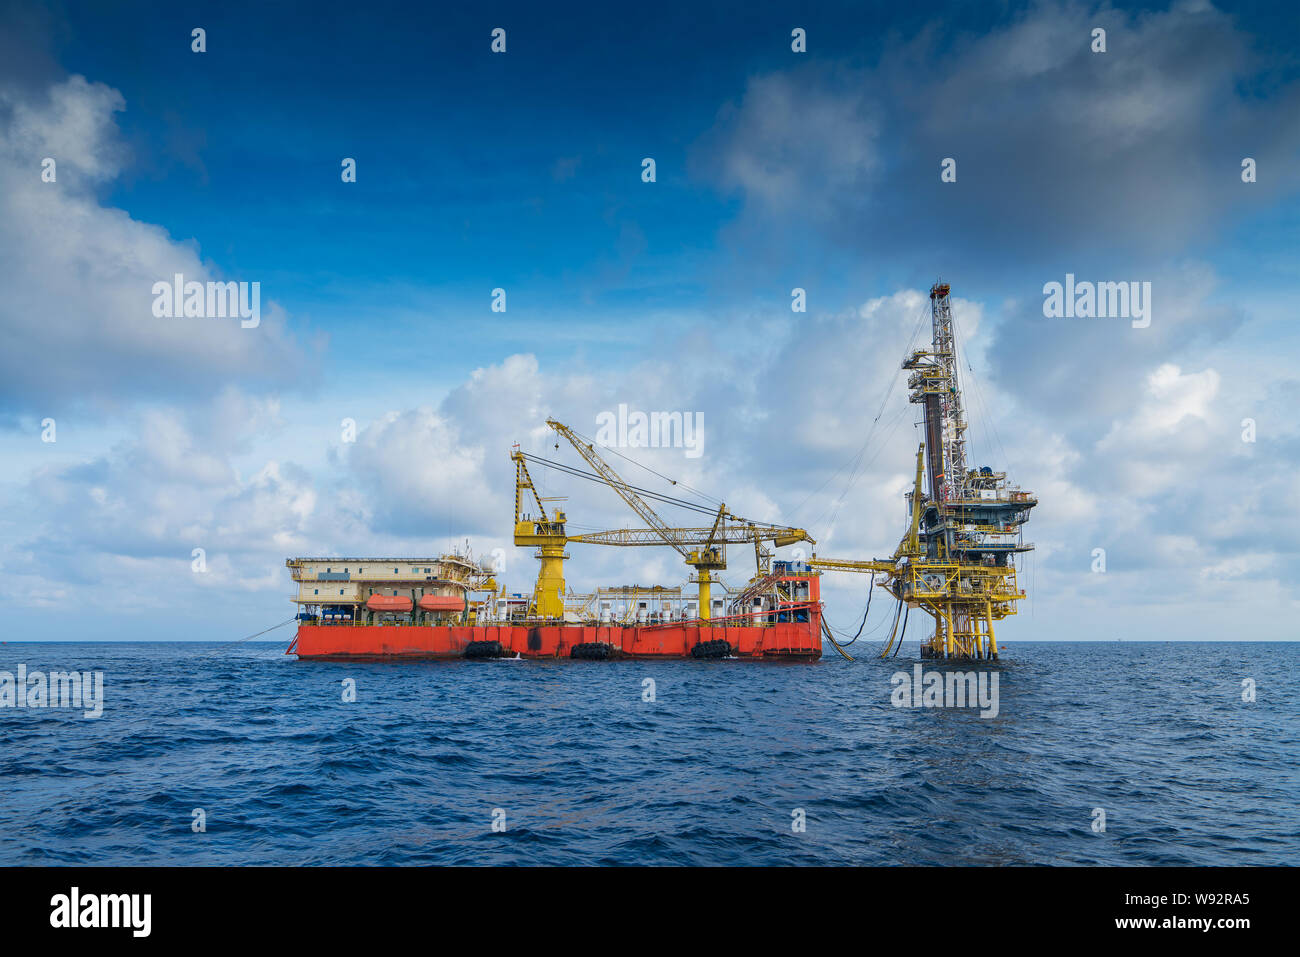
[[955, 562]]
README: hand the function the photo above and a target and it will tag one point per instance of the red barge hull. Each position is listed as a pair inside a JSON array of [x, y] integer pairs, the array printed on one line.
[[799, 641]]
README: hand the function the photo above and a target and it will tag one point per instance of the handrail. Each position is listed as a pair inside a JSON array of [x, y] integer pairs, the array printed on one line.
[[741, 618]]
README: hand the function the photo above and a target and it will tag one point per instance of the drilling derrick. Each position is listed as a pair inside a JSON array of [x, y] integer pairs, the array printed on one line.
[[970, 527], [957, 560]]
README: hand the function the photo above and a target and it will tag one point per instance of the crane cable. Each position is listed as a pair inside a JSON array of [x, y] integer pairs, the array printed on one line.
[[671, 481], [593, 477]]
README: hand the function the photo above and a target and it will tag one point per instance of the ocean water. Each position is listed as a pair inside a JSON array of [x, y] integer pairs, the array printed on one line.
[[714, 771]]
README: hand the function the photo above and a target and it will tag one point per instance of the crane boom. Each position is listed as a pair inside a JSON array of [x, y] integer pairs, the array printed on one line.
[[726, 535], [625, 492], [525, 481], [709, 551], [851, 565]]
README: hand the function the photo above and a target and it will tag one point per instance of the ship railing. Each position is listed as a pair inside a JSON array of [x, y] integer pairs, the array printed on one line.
[[359, 623], [746, 618], [765, 617]]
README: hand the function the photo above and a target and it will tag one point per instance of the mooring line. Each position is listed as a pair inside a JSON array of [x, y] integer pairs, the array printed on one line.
[[231, 644]]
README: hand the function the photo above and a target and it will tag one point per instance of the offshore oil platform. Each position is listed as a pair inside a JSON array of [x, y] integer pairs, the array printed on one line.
[[955, 562]]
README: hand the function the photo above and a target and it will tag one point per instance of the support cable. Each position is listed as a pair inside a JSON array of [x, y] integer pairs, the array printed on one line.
[[831, 638], [855, 463], [671, 481], [898, 610], [899, 647], [871, 587], [593, 477]]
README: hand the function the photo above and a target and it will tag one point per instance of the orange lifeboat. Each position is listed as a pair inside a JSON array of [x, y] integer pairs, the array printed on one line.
[[442, 603], [394, 603]]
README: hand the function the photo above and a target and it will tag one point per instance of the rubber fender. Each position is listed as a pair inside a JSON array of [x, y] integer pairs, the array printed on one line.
[[712, 649], [593, 651]]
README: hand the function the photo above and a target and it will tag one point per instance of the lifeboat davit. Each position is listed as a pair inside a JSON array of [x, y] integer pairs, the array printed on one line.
[[442, 603], [394, 603]]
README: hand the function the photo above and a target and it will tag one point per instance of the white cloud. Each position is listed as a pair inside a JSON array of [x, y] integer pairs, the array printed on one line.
[[1130, 438], [124, 523], [1178, 395], [75, 126], [1059, 150], [76, 320], [420, 475], [800, 143]]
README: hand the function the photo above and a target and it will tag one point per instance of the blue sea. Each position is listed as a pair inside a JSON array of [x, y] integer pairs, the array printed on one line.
[[575, 766]]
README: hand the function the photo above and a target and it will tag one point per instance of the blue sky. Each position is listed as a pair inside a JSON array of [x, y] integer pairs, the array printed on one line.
[[523, 171]]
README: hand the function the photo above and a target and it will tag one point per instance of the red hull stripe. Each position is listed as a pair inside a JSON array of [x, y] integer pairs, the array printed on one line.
[[780, 640]]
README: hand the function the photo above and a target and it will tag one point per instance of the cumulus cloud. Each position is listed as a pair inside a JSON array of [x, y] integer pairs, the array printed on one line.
[[421, 476], [1131, 438], [824, 442], [813, 430], [171, 487], [76, 321]]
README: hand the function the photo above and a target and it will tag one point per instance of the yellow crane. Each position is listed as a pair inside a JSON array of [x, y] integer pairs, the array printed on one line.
[[703, 548]]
